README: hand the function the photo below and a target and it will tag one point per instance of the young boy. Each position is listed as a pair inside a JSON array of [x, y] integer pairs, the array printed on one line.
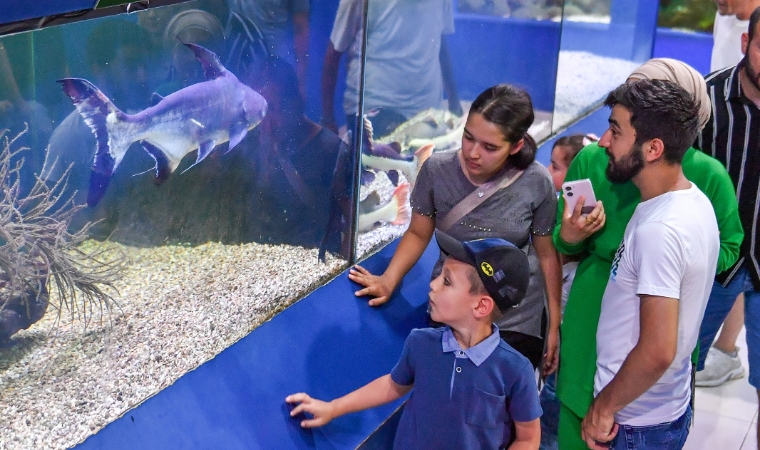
[[470, 387]]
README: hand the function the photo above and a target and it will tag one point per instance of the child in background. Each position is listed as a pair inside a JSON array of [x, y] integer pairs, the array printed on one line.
[[563, 152], [471, 389]]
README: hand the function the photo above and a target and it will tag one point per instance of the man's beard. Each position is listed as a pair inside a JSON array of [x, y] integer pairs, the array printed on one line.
[[627, 166], [750, 71]]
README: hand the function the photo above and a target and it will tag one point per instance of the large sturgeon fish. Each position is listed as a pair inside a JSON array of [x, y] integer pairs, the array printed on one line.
[[200, 116]]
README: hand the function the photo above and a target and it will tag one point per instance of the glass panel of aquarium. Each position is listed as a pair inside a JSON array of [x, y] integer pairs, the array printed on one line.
[[426, 61], [166, 188], [602, 42]]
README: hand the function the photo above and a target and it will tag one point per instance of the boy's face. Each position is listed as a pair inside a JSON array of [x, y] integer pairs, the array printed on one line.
[[450, 299]]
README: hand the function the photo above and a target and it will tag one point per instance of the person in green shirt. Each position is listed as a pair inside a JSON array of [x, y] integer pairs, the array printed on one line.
[[597, 237]]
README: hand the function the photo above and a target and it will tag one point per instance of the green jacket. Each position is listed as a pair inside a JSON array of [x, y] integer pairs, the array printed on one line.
[[575, 386]]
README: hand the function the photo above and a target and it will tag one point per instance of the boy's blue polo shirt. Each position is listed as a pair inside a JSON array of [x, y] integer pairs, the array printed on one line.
[[464, 399]]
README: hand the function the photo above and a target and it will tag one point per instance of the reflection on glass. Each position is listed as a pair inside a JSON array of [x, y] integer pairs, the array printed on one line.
[[425, 63], [180, 177]]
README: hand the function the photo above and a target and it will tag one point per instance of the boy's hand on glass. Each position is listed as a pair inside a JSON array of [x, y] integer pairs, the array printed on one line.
[[374, 286], [322, 412], [577, 227]]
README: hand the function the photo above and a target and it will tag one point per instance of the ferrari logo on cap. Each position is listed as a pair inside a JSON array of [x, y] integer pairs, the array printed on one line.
[[486, 268]]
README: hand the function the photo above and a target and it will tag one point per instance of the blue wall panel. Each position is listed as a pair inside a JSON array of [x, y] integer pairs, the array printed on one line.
[[327, 344], [489, 50], [690, 47]]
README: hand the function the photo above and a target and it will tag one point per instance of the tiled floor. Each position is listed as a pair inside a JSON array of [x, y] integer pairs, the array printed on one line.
[[726, 416]]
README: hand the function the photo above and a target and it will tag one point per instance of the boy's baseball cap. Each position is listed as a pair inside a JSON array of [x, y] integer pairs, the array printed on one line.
[[502, 266]]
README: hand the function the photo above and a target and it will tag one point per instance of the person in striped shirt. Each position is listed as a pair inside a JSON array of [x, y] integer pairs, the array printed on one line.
[[732, 136]]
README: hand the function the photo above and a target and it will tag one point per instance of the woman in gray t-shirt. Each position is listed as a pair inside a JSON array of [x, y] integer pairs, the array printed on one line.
[[495, 140]]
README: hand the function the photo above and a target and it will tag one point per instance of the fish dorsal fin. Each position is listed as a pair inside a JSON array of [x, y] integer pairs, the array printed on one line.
[[212, 67], [238, 131], [155, 98]]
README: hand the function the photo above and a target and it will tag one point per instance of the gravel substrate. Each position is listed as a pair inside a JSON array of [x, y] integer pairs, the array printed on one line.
[[584, 80], [178, 307]]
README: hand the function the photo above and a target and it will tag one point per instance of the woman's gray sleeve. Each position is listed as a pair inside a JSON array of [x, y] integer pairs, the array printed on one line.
[[422, 194], [545, 214]]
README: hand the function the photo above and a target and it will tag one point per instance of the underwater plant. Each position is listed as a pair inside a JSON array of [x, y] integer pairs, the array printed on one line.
[[39, 254]]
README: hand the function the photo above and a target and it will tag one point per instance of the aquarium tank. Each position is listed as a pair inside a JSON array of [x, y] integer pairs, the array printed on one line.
[[175, 173]]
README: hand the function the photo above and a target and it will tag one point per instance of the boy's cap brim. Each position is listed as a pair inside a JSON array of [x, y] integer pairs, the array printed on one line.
[[453, 247], [503, 267]]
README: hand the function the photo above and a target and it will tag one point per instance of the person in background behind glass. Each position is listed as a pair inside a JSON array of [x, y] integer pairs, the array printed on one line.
[[731, 21], [295, 164], [407, 62]]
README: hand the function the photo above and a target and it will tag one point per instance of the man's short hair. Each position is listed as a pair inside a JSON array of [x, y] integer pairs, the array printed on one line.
[[754, 18], [660, 109]]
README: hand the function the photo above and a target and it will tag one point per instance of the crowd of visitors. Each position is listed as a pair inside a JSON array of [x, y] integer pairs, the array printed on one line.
[[648, 275]]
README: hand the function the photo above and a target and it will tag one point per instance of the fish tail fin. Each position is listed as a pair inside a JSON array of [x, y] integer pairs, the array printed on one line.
[[401, 197], [422, 154], [95, 108]]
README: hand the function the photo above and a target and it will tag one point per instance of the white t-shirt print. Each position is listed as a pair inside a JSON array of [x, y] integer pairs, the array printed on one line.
[[670, 249]]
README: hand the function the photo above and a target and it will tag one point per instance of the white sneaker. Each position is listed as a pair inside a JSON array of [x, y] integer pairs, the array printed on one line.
[[719, 368]]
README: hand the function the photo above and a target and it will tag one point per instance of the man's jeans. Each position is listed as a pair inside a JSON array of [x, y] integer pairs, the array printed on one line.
[[664, 436], [718, 306]]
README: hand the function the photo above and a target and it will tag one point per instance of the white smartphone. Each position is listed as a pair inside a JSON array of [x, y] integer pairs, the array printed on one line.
[[573, 190]]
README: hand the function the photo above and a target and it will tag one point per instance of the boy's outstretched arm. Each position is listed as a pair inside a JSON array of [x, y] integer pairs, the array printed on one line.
[[527, 435], [378, 392]]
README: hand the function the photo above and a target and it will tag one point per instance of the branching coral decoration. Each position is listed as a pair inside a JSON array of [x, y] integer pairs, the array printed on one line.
[[39, 253]]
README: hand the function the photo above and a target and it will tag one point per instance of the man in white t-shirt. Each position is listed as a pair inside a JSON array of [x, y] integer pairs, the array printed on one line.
[[661, 275], [731, 21], [406, 60]]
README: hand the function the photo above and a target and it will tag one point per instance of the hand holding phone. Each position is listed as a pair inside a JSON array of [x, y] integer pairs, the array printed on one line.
[[573, 190]]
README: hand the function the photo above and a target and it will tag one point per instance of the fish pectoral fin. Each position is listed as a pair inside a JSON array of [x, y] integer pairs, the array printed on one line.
[[163, 166], [238, 131], [203, 151], [212, 67]]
